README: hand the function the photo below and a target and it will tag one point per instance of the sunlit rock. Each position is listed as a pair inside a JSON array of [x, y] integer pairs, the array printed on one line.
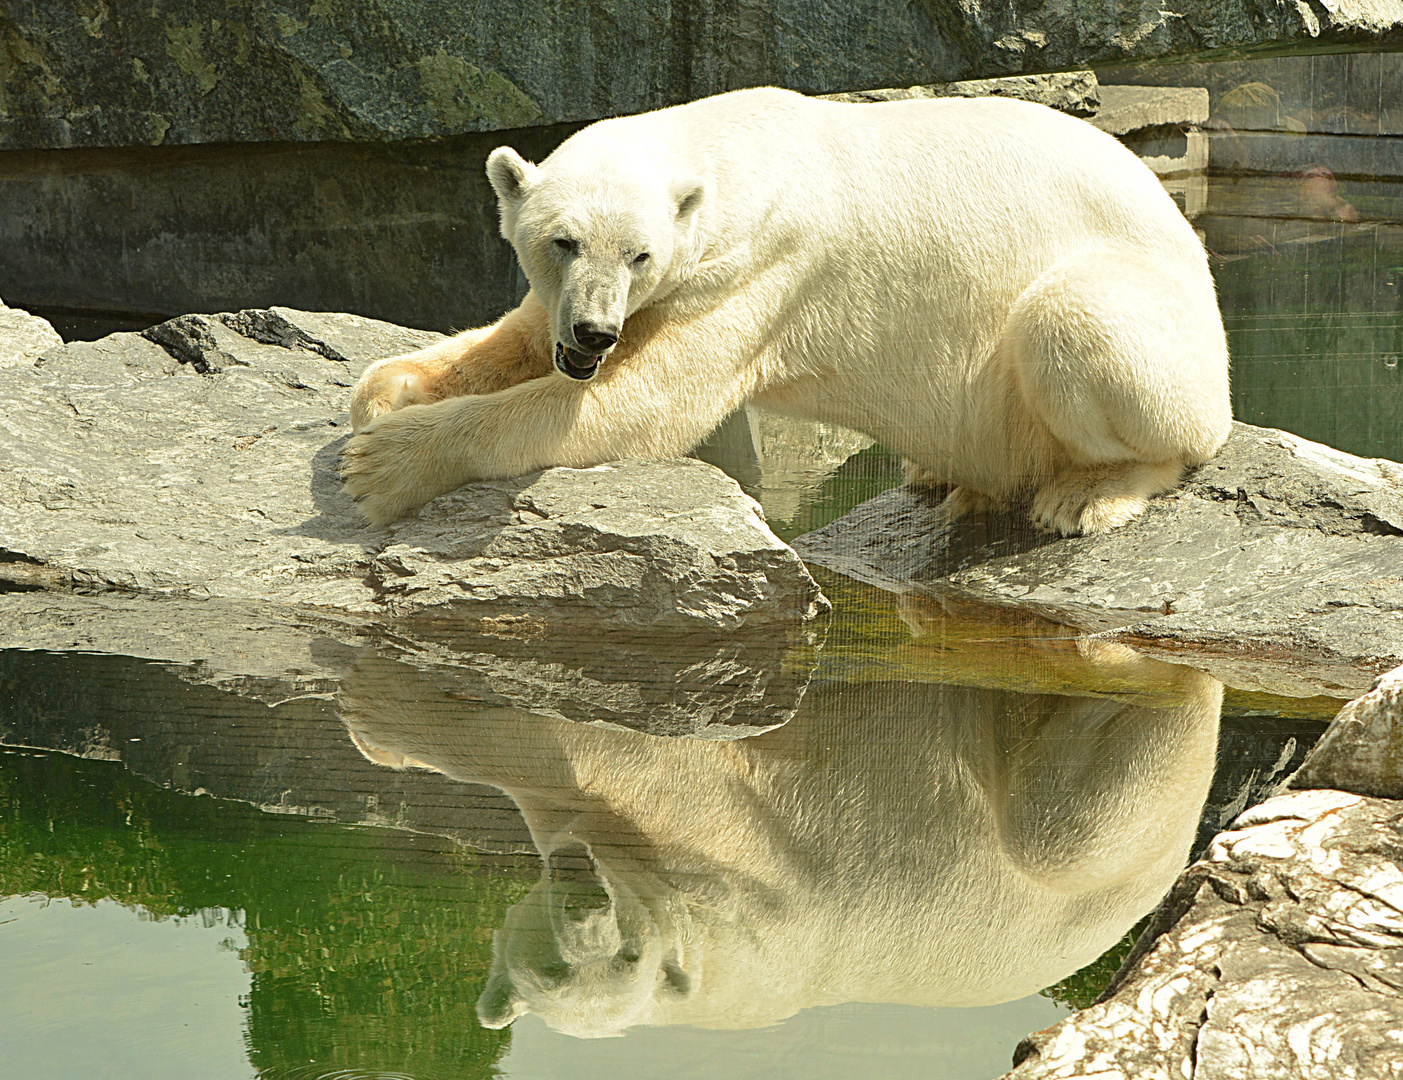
[[199, 460], [23, 337], [1362, 750], [196, 464]]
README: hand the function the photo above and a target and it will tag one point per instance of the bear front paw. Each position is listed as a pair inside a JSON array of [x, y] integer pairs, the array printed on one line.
[[388, 386], [386, 469]]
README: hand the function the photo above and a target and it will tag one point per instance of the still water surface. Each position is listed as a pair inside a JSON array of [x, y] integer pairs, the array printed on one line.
[[949, 843]]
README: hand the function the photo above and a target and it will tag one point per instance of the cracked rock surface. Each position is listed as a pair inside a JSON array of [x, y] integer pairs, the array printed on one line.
[[1278, 955], [184, 482], [1277, 566]]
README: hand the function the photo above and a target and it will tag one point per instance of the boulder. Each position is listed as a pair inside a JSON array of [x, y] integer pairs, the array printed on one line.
[[191, 71], [1362, 750], [1276, 566], [184, 480], [1278, 955]]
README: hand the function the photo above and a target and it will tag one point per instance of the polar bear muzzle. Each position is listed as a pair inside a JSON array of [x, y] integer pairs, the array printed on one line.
[[575, 364]]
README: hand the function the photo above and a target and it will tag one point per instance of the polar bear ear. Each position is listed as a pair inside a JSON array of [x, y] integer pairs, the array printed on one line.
[[689, 198], [509, 174], [675, 980], [499, 1004]]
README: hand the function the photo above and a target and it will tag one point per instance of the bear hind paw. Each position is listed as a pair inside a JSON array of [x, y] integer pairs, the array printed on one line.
[[963, 501], [1090, 501]]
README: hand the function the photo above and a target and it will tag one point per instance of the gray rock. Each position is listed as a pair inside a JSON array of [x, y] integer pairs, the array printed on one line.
[[663, 545], [1125, 109], [1276, 565], [1074, 92], [1279, 955], [190, 71], [196, 465], [1362, 749]]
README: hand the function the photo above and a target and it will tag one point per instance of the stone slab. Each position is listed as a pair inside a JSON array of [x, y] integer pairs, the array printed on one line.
[[1278, 566], [1074, 92], [1124, 109]]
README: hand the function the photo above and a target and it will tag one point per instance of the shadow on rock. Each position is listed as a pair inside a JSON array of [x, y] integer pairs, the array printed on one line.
[[336, 511]]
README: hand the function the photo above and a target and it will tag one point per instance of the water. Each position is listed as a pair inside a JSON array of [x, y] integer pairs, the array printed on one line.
[[947, 838], [927, 861]]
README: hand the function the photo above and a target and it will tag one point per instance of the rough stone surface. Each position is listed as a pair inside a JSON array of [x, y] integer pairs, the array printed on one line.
[[23, 337], [1362, 750], [1277, 566], [1123, 109], [1074, 92], [1279, 955], [198, 462], [186, 71]]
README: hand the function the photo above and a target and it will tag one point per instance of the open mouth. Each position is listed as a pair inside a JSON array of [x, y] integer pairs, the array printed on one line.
[[576, 365]]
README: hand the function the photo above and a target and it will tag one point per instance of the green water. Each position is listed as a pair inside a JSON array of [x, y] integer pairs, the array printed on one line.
[[844, 869], [1314, 313]]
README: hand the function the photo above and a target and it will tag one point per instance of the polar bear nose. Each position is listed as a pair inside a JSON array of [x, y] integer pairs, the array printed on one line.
[[593, 338]]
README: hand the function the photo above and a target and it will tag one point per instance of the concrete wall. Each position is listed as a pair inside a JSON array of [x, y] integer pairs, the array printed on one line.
[[401, 231], [183, 155]]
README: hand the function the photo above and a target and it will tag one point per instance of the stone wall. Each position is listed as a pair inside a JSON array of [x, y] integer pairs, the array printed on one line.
[[166, 72]]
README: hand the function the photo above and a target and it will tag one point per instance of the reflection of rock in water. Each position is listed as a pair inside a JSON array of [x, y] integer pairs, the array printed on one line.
[[894, 842], [1255, 756], [710, 688]]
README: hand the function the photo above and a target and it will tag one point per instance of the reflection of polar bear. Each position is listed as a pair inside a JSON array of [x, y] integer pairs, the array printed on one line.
[[1003, 294], [921, 844]]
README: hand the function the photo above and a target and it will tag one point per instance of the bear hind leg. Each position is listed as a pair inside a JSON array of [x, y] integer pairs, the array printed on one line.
[[1123, 365], [958, 502]]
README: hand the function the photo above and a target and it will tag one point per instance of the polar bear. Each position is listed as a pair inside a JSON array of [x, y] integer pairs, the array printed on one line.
[[909, 843], [1001, 294]]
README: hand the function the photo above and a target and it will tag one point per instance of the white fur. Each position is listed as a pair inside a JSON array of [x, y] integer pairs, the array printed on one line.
[[1002, 294], [912, 843]]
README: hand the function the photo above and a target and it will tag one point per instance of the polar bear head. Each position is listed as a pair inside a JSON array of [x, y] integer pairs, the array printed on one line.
[[600, 235], [585, 953]]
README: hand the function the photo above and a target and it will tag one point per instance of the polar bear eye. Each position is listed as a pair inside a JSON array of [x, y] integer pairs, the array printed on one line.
[[566, 245], [641, 258]]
